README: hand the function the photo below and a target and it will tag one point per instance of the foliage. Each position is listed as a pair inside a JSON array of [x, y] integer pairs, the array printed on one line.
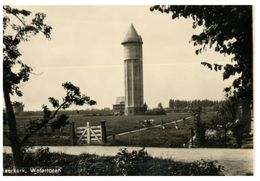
[[160, 105], [18, 107], [14, 34], [16, 71], [131, 163], [226, 115], [93, 165], [123, 163], [222, 123], [73, 96], [196, 168], [145, 107], [227, 112], [238, 131], [86, 112], [155, 111], [228, 29], [199, 125], [184, 105]]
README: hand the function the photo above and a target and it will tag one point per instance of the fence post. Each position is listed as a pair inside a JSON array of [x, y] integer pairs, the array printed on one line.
[[192, 134], [88, 133], [103, 132], [72, 133], [113, 137], [162, 122]]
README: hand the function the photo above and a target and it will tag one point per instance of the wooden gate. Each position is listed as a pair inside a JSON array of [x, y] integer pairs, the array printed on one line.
[[91, 134]]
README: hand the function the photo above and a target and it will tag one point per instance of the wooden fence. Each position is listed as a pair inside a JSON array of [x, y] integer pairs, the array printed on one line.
[[89, 134]]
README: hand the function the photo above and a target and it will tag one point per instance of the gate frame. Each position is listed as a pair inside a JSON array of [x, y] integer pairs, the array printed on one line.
[[88, 130]]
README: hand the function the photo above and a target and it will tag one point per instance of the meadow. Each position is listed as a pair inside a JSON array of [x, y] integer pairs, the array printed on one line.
[[168, 137]]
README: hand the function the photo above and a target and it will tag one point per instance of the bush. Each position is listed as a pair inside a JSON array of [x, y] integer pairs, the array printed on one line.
[[131, 163], [94, 165], [174, 168], [155, 111], [124, 163]]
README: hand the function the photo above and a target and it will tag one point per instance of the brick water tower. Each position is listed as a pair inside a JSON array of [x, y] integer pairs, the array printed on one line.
[[133, 68]]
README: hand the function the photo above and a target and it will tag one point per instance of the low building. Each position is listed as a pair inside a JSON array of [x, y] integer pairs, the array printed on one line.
[[119, 106]]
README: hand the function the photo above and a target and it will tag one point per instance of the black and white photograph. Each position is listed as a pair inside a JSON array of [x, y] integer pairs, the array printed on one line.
[[128, 90]]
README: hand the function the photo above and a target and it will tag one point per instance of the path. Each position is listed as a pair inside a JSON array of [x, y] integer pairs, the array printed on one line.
[[155, 126], [235, 161]]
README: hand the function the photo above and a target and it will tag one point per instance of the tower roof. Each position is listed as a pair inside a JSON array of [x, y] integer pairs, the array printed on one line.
[[132, 36]]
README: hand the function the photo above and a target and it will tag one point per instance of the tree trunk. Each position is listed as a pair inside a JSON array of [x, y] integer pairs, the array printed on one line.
[[13, 137], [246, 116]]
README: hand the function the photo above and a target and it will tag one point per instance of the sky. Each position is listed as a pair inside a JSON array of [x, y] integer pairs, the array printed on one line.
[[86, 50]]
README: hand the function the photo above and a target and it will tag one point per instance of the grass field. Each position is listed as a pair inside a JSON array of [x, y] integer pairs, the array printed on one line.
[[157, 137], [114, 125]]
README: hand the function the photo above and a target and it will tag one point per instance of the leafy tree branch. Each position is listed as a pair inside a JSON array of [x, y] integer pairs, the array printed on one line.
[[50, 118], [14, 34], [227, 30]]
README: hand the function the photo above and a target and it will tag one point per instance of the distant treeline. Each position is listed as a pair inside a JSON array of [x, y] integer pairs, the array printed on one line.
[[177, 105], [88, 112]]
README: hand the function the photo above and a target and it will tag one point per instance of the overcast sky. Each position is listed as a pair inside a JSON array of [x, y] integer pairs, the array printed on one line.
[[86, 49]]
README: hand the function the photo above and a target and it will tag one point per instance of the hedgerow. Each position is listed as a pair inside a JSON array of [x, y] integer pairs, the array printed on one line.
[[123, 163]]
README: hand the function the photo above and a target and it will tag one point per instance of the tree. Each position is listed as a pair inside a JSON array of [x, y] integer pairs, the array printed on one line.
[[171, 104], [145, 107], [160, 105], [18, 107], [16, 71], [73, 97], [227, 29], [13, 35], [199, 126]]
